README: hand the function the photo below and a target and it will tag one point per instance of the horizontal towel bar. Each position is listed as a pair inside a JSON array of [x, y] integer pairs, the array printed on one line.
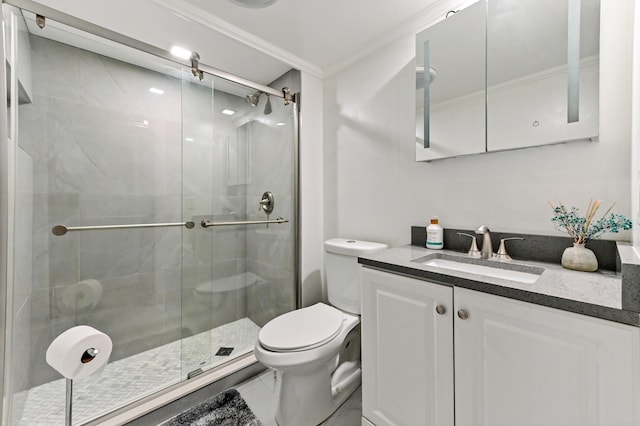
[[61, 229], [208, 223]]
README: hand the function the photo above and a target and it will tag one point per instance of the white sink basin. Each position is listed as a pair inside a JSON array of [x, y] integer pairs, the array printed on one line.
[[487, 271]]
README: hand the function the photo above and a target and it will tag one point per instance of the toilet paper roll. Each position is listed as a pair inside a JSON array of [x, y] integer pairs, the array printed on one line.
[[79, 352], [83, 294]]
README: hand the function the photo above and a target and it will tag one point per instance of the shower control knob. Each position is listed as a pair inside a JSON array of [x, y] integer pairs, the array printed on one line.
[[462, 314], [267, 202], [441, 310]]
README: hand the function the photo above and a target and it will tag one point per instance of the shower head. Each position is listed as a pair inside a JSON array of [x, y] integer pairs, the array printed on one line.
[[254, 98], [267, 107]]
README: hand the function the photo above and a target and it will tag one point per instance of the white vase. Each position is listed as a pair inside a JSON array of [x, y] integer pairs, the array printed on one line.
[[579, 258]]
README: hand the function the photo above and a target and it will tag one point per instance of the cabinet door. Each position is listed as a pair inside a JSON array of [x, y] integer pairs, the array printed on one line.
[[407, 351], [522, 364]]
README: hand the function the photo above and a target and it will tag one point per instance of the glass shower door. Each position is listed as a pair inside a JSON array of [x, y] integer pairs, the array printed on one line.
[[94, 147], [238, 163], [198, 154]]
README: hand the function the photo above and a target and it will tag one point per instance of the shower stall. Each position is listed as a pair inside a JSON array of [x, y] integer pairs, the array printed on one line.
[[154, 202]]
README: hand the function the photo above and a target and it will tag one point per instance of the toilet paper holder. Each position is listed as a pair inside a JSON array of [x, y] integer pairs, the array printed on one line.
[[76, 353]]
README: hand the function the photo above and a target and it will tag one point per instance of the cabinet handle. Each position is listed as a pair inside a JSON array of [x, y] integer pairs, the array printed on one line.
[[441, 310], [462, 314]]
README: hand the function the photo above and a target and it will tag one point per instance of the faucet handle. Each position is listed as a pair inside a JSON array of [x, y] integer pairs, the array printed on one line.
[[473, 250], [502, 251]]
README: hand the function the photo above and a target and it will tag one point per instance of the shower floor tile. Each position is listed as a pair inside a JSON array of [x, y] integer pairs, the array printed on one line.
[[137, 376]]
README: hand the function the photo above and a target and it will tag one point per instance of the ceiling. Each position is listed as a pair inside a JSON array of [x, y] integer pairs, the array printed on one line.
[[322, 33], [319, 37]]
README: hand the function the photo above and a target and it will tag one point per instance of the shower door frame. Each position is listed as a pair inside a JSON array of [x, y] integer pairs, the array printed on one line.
[[7, 208], [7, 195]]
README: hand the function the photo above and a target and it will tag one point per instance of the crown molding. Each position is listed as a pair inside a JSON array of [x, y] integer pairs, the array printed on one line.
[[433, 13], [197, 15]]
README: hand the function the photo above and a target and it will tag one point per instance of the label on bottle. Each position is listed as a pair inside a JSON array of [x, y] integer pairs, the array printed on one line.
[[434, 237]]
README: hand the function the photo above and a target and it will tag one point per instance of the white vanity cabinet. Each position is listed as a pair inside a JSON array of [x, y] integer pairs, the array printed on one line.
[[407, 351], [516, 363]]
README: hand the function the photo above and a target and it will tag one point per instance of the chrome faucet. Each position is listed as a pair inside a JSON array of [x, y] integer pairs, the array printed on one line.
[[487, 248]]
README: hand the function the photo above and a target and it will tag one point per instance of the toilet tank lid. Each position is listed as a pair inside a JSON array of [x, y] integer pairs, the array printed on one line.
[[351, 247]]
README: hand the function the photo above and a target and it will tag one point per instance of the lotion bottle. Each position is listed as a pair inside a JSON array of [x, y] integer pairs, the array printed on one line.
[[435, 238]]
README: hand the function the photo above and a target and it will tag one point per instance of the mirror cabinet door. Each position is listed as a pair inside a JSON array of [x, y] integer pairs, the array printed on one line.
[[504, 74], [542, 72], [450, 86]]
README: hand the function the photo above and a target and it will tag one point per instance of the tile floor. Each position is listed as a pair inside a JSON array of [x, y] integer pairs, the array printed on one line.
[[128, 379], [259, 393]]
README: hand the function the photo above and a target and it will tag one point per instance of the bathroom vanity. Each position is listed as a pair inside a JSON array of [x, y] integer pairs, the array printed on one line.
[[460, 346]]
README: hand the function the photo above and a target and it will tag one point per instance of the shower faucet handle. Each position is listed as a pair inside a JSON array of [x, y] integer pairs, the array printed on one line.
[[267, 202]]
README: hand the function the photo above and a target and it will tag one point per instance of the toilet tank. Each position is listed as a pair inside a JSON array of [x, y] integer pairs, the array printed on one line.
[[343, 271]]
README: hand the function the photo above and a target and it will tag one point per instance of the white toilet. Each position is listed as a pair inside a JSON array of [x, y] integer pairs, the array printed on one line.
[[316, 349]]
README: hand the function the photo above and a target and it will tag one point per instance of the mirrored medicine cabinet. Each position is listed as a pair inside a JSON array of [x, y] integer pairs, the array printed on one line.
[[503, 74]]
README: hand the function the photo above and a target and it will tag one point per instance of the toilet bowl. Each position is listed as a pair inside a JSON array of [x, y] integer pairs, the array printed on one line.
[[308, 391], [316, 350]]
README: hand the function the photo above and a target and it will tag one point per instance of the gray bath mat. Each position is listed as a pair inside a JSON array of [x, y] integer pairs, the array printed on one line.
[[225, 409]]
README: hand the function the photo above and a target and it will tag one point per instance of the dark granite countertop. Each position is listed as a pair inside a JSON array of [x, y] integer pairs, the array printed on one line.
[[597, 294]]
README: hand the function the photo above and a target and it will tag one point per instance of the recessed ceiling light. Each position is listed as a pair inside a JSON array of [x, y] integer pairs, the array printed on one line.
[[228, 112], [180, 52], [255, 4], [156, 91], [145, 122], [279, 124], [188, 139]]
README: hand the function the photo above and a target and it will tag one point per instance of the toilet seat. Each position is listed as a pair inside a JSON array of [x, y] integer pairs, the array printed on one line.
[[302, 329]]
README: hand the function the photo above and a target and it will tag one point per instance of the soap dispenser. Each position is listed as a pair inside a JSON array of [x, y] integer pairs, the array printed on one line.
[[435, 235]]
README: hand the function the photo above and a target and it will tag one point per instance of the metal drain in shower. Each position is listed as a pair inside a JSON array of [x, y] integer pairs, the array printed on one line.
[[223, 351]]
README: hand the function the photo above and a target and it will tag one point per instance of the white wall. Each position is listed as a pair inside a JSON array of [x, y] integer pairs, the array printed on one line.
[[375, 190], [311, 194]]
